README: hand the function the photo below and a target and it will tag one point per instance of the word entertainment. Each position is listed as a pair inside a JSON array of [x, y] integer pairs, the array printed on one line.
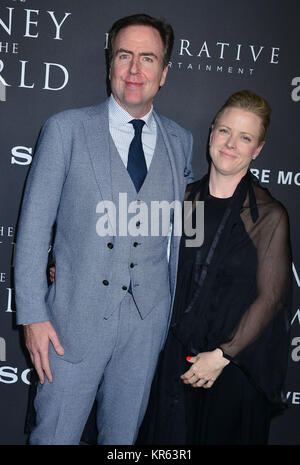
[[208, 68], [153, 219]]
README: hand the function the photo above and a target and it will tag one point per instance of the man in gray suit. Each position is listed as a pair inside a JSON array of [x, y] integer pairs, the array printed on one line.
[[96, 332]]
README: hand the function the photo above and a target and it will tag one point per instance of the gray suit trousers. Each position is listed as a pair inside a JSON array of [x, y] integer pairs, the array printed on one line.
[[118, 370]]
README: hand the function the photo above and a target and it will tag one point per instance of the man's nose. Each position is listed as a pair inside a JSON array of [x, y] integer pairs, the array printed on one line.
[[134, 66]]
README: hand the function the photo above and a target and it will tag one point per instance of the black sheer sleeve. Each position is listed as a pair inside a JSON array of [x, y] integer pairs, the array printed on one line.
[[270, 236]]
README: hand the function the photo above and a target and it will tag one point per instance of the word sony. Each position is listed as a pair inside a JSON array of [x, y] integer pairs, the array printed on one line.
[[11, 375]]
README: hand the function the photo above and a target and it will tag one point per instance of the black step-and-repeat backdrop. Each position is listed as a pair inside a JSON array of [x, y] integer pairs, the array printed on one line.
[[52, 58]]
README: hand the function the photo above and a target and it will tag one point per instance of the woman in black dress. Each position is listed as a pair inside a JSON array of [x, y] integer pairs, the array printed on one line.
[[220, 376]]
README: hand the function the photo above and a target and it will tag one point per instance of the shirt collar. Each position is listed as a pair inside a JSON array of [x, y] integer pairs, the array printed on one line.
[[119, 116]]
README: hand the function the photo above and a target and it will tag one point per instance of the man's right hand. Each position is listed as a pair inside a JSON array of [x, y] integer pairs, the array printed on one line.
[[37, 339]]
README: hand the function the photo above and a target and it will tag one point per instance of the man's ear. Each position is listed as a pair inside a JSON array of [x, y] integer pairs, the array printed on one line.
[[211, 130], [164, 76]]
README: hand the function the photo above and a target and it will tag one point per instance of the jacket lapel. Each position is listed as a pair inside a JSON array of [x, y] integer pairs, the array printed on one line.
[[97, 140], [172, 145]]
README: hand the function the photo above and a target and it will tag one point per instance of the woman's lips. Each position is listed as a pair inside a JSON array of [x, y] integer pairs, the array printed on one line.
[[227, 155]]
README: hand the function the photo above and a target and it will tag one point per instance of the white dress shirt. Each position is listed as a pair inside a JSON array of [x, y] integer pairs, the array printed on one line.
[[122, 132]]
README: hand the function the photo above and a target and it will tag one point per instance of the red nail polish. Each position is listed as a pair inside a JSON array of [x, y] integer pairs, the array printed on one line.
[[188, 358]]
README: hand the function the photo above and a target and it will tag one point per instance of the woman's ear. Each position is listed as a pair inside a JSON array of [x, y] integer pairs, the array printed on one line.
[[257, 151]]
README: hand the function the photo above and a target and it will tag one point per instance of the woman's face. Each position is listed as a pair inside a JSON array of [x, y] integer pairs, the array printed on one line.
[[235, 141]]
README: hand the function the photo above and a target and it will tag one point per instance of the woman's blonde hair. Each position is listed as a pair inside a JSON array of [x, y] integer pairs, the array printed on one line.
[[249, 101]]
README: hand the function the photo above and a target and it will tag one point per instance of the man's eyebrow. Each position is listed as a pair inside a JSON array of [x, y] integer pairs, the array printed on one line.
[[149, 54], [123, 50]]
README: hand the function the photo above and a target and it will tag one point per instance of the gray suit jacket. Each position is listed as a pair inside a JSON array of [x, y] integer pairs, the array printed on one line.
[[70, 174]]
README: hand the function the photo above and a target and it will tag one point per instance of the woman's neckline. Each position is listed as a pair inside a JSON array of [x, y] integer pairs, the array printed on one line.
[[213, 197]]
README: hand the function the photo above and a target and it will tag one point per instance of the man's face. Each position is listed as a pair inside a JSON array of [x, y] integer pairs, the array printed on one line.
[[136, 70]]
